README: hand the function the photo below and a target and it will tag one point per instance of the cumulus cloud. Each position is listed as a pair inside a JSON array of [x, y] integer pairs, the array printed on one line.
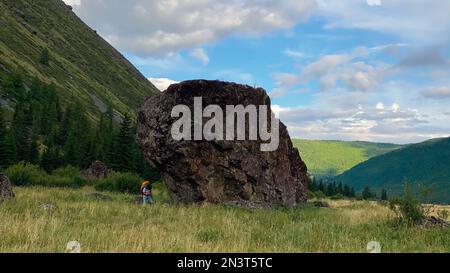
[[430, 56], [418, 21], [200, 54], [159, 27], [360, 123], [162, 83], [329, 70], [438, 92]]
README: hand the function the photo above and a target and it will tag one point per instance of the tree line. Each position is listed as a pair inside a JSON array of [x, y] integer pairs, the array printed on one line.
[[339, 189], [44, 133]]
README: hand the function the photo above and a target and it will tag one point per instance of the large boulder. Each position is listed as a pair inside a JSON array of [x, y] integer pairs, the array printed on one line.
[[97, 170], [219, 171], [6, 191]]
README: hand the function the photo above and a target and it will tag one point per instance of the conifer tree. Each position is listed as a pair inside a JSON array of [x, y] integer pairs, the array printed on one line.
[[367, 194], [330, 189], [104, 139], [23, 130], [50, 159], [7, 149], [346, 191], [352, 192], [322, 187], [384, 196], [340, 188], [124, 147], [32, 154], [312, 184], [78, 136]]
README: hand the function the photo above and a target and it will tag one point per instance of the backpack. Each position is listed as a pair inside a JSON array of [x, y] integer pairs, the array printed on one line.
[[146, 185]]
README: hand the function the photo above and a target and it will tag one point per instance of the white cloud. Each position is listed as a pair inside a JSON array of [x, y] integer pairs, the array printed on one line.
[[293, 53], [425, 22], [438, 92], [329, 70], [324, 65], [162, 83], [429, 56], [379, 106], [374, 2], [359, 123], [72, 2], [395, 107], [200, 54], [159, 27]]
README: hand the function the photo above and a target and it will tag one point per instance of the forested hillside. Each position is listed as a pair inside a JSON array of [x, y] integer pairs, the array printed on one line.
[[67, 97], [44, 39], [329, 158], [426, 164]]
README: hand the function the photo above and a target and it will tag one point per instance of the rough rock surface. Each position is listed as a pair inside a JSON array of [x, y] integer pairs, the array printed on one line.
[[219, 171], [46, 206], [432, 221], [6, 191], [97, 170]]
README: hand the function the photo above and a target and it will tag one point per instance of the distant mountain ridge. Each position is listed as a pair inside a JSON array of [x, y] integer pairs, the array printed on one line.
[[426, 163], [327, 158], [80, 63]]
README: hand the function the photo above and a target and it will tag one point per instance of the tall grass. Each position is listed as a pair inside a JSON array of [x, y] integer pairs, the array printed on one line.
[[121, 226]]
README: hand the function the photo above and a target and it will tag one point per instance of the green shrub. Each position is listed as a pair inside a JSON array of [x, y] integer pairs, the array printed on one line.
[[68, 176], [67, 171], [337, 197], [65, 181], [320, 195], [59, 181], [407, 208], [26, 174], [120, 182]]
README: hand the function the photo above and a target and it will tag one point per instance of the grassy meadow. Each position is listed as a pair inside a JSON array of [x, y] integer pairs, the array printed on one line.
[[120, 225]]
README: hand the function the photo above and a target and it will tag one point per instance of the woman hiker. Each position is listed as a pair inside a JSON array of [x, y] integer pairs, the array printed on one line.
[[146, 191]]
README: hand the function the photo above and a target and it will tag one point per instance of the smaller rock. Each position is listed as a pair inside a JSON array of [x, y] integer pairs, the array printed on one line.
[[97, 170], [432, 221], [47, 206], [20, 13], [321, 204], [100, 196], [6, 191]]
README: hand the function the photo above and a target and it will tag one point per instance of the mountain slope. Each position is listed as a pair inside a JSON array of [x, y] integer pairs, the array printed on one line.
[[427, 163], [330, 158], [81, 64]]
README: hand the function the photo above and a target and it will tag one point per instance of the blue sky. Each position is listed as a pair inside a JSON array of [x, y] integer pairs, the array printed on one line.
[[374, 70]]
